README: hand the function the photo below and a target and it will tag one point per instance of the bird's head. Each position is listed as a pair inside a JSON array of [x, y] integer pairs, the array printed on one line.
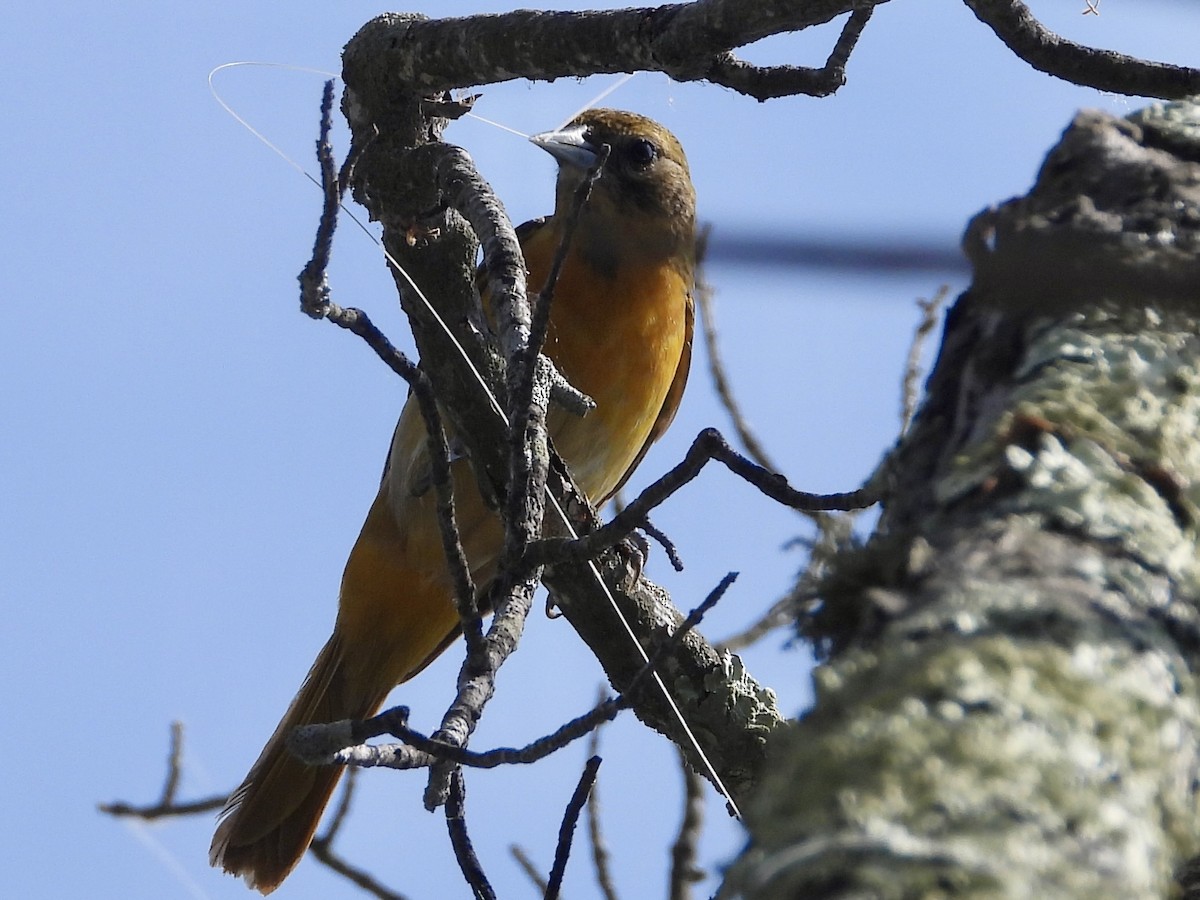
[[644, 196]]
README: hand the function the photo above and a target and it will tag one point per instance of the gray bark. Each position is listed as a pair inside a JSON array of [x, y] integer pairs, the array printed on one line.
[[1008, 707]]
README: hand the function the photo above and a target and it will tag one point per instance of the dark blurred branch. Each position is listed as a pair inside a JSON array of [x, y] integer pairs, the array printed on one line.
[[708, 326], [528, 867], [600, 855], [166, 806], [871, 254], [910, 386], [684, 851], [322, 848]]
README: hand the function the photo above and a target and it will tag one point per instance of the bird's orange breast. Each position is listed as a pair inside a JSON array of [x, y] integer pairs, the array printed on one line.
[[619, 337]]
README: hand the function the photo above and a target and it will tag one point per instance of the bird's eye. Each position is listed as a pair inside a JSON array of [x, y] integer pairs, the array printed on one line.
[[642, 152]]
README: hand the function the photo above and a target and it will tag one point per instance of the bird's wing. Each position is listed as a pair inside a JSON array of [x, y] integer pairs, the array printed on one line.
[[524, 232], [674, 395]]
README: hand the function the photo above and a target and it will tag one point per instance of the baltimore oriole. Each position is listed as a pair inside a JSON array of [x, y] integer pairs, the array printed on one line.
[[621, 332]]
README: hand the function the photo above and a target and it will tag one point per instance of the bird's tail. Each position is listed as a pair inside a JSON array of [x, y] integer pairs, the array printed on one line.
[[270, 819]]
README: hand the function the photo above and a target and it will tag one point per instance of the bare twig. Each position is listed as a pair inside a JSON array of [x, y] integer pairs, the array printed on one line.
[[501, 275], [541, 313], [599, 847], [462, 187], [1105, 70], [529, 385], [566, 831], [323, 853], [782, 612], [708, 445], [394, 721], [356, 876], [314, 282], [716, 368], [123, 809], [322, 849], [684, 851], [357, 322], [315, 301], [460, 719], [464, 852], [174, 764], [695, 41], [770, 82], [343, 806], [326, 741], [912, 365], [166, 806], [528, 867], [665, 542], [341, 743]]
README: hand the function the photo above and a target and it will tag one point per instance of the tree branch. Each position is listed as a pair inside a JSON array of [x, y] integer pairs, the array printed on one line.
[[344, 742], [529, 386], [464, 851], [708, 445], [600, 854], [769, 82], [167, 806], [687, 41], [1105, 70], [322, 850]]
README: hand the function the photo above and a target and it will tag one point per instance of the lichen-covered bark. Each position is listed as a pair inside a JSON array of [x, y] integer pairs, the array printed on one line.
[[1009, 707]]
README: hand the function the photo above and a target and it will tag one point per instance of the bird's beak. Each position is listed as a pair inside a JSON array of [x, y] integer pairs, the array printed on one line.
[[569, 146]]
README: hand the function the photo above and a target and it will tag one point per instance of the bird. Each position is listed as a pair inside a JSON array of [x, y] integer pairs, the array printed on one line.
[[620, 331]]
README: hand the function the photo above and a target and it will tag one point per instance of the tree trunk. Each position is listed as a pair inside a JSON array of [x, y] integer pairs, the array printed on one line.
[[1008, 707]]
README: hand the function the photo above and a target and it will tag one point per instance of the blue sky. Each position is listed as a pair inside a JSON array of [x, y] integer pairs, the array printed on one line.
[[187, 459]]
